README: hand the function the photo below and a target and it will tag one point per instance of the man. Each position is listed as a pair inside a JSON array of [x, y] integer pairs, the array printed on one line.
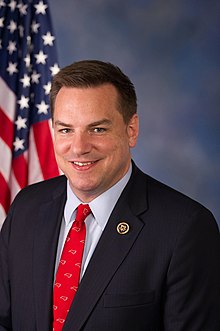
[[151, 258]]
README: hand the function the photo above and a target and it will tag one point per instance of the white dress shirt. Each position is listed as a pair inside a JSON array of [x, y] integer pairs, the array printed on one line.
[[101, 208]]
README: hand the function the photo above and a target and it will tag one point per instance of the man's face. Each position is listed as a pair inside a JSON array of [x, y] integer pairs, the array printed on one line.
[[92, 142]]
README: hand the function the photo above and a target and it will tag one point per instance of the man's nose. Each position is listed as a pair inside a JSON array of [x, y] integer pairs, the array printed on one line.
[[81, 143]]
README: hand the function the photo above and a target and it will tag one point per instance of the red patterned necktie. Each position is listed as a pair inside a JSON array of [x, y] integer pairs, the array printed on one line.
[[68, 273]]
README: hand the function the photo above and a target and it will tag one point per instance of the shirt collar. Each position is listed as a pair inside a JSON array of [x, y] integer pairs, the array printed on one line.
[[101, 206]]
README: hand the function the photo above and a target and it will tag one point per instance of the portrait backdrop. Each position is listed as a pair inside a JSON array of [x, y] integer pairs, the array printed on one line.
[[170, 51]]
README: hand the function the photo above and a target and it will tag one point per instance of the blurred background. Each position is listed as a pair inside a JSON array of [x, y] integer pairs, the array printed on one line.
[[171, 52]]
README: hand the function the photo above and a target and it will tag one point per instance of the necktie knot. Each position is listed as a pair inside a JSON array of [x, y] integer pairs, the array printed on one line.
[[82, 212]]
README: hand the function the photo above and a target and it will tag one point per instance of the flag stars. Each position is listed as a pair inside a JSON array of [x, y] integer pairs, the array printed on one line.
[[35, 77], [12, 5], [54, 69], [47, 88], [41, 57], [48, 39], [25, 80], [41, 8], [18, 144], [12, 26], [23, 102], [11, 47], [22, 9], [27, 60], [35, 26], [42, 108], [12, 68], [2, 3], [21, 123]]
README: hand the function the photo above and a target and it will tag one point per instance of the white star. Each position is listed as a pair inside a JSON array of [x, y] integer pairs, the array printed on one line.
[[12, 5], [2, 3], [47, 88], [21, 123], [35, 77], [1, 22], [12, 68], [27, 60], [48, 39], [22, 9], [54, 69], [25, 80], [42, 107], [23, 102], [12, 26], [11, 47], [41, 8], [18, 144], [35, 26], [41, 57]]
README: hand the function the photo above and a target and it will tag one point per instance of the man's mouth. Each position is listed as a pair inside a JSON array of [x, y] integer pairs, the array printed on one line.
[[83, 164]]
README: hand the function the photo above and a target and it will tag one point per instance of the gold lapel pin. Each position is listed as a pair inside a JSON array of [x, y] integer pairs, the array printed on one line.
[[123, 228]]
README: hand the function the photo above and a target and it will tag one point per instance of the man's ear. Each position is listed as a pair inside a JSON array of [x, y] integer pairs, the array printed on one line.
[[133, 130]]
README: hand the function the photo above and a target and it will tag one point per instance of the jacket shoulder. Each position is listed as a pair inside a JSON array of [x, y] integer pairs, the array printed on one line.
[[163, 199], [42, 191]]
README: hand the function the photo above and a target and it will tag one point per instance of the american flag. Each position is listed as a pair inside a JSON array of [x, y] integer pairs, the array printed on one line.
[[27, 62]]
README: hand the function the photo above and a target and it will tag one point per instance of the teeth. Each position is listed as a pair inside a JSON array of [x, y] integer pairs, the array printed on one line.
[[82, 164]]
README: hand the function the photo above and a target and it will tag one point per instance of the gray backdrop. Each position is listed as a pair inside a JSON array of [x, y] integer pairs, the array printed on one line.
[[170, 50]]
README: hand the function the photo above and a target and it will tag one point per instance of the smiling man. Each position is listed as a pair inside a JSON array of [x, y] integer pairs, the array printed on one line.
[[105, 247], [93, 150]]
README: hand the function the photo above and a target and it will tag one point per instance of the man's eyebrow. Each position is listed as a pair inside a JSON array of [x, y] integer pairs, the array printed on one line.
[[60, 123], [104, 121]]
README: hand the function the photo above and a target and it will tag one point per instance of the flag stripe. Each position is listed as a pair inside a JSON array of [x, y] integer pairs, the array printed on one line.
[[19, 165], [35, 175], [28, 62], [45, 151], [7, 100], [14, 186], [5, 195], [2, 215], [7, 129], [6, 160]]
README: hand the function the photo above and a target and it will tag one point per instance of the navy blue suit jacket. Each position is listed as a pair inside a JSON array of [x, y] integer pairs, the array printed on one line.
[[163, 274]]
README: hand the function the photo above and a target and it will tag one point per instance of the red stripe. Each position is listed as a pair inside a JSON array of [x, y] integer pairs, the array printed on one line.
[[44, 146], [20, 168], [5, 195], [7, 129]]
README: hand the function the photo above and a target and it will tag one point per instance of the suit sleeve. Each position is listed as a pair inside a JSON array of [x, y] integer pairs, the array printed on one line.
[[192, 298], [5, 306]]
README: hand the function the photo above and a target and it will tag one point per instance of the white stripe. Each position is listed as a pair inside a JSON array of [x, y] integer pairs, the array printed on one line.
[[14, 186], [2, 215], [34, 173], [51, 127], [52, 135], [6, 157], [7, 100]]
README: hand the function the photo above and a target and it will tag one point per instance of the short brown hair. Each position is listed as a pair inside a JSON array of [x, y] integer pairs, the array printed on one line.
[[92, 73]]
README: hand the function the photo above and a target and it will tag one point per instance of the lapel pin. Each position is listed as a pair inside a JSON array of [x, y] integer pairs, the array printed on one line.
[[123, 228]]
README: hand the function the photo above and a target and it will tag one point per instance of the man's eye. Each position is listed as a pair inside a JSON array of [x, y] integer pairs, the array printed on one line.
[[99, 130], [64, 131]]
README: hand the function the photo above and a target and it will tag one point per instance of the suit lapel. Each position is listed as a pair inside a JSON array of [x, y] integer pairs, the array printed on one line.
[[46, 236], [110, 252]]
